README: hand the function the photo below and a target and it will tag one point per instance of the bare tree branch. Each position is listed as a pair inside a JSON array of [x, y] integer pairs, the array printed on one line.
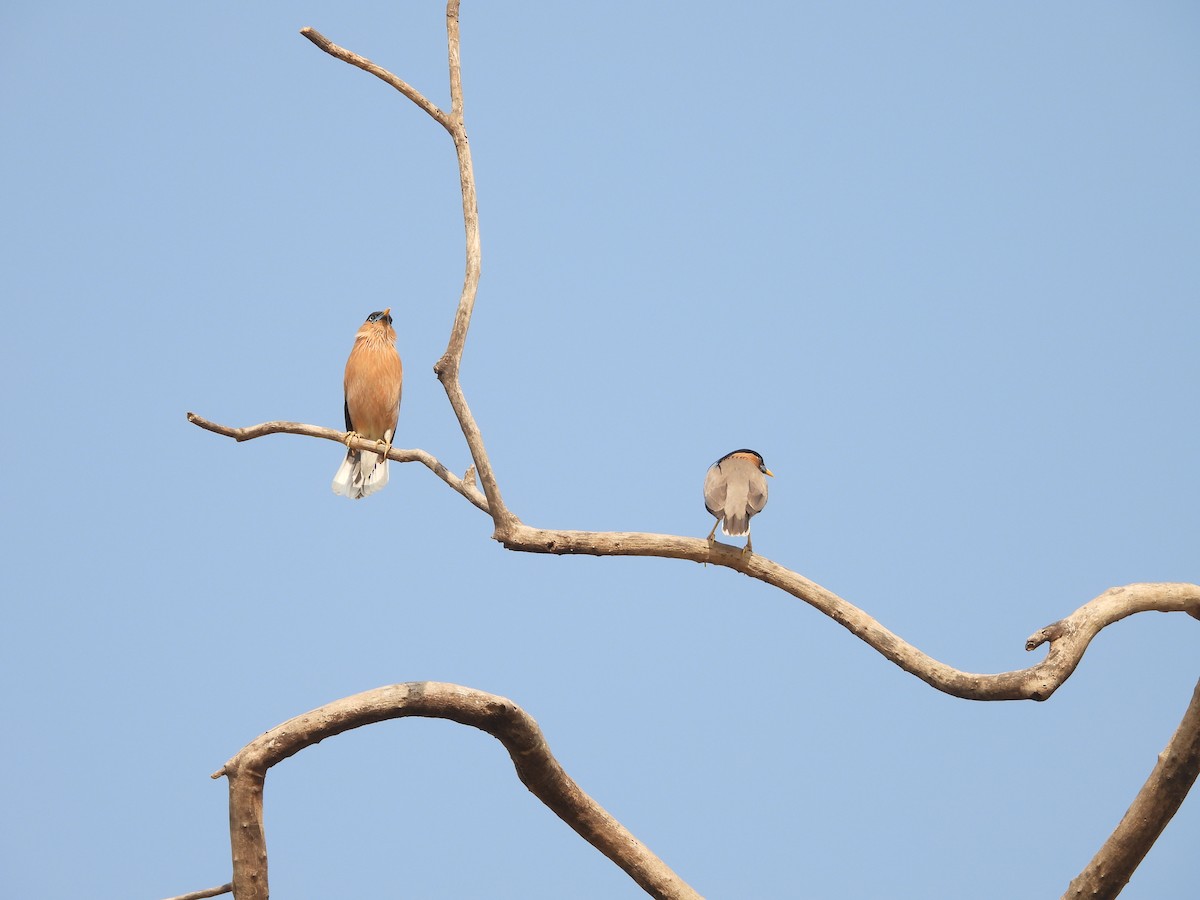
[[465, 485], [1153, 807], [498, 716], [1068, 637], [379, 72], [201, 895]]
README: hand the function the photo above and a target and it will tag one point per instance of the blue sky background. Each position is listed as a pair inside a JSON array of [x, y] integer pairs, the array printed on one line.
[[936, 261]]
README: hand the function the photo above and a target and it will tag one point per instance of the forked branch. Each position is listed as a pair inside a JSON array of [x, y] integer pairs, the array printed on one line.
[[465, 485]]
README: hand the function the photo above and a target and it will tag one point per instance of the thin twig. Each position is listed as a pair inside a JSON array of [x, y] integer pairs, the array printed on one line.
[[379, 72], [1153, 807], [464, 486], [498, 716], [210, 892]]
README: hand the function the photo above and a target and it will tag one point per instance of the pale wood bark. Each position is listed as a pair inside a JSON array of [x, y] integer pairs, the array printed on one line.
[[465, 485], [202, 895], [1153, 807], [1068, 638]]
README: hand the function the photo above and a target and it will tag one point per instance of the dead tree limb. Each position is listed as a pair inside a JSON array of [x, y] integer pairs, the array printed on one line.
[[1153, 807], [202, 895], [379, 72], [465, 485], [501, 718]]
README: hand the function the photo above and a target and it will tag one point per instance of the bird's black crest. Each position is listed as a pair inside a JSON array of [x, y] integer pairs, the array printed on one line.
[[753, 453], [380, 316]]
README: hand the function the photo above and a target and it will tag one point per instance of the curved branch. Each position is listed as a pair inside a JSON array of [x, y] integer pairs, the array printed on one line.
[[465, 485], [498, 716], [209, 892], [1153, 807], [1068, 637]]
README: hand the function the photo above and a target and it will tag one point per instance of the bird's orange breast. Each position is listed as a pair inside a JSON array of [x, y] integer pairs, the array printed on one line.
[[373, 382]]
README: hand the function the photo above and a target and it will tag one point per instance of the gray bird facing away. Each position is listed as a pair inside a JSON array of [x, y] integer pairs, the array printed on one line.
[[735, 489]]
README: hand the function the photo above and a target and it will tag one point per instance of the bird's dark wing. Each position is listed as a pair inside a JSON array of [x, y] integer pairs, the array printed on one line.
[[349, 424]]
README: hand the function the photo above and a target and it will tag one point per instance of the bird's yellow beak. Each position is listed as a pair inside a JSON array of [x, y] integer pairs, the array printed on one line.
[[388, 311], [769, 472]]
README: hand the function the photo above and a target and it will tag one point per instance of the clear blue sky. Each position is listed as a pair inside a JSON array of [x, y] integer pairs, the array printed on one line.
[[936, 261]]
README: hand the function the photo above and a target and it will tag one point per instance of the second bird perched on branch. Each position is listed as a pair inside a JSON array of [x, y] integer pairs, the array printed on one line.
[[373, 381], [735, 489]]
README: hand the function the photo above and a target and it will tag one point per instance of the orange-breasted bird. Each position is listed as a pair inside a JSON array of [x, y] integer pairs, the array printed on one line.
[[374, 377], [734, 491]]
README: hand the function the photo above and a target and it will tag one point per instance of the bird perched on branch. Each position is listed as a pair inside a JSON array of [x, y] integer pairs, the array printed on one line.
[[734, 491], [374, 376]]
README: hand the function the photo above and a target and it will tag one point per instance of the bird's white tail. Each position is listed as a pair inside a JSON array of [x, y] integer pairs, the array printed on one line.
[[361, 474], [735, 525]]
